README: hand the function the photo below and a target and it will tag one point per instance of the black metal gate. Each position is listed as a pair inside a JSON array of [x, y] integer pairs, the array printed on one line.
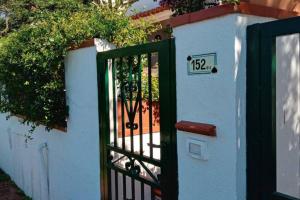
[[262, 140], [137, 106]]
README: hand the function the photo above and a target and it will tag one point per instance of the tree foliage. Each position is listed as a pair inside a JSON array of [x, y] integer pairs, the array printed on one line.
[[180, 7], [36, 36]]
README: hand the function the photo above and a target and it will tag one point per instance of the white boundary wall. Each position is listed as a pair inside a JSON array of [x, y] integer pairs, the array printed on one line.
[[69, 161], [73, 157], [218, 99]]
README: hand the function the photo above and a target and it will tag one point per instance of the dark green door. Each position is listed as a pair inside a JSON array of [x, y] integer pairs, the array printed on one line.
[[137, 106], [272, 108]]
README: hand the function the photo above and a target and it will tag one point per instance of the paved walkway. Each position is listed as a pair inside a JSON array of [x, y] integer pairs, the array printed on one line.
[[8, 190]]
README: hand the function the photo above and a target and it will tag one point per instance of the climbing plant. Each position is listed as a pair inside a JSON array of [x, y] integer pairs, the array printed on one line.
[[180, 7], [231, 1], [35, 38]]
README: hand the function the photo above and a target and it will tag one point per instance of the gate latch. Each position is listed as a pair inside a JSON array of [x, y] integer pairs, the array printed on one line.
[[154, 145]]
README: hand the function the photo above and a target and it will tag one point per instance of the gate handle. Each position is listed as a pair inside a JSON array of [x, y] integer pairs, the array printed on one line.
[[154, 145]]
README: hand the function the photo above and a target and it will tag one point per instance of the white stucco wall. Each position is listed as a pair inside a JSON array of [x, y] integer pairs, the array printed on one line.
[[218, 99], [73, 157], [71, 162]]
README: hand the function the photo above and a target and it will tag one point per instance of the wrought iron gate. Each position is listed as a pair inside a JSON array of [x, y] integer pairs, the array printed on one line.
[[137, 115]]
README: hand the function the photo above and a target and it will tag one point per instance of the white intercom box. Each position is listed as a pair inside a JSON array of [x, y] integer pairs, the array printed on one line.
[[197, 149]]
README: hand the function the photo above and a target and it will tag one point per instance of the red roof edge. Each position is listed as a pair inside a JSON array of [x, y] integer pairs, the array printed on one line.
[[242, 8]]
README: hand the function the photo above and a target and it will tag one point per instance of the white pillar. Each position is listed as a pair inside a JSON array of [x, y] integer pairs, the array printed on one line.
[[218, 99]]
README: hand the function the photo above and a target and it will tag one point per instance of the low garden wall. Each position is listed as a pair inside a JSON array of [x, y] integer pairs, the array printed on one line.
[[65, 165], [59, 165]]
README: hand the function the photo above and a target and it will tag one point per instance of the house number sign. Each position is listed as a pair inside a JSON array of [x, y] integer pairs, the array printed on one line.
[[202, 64]]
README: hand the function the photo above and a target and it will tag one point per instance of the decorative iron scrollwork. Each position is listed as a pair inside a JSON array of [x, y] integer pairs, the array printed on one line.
[[133, 127], [134, 166], [133, 169]]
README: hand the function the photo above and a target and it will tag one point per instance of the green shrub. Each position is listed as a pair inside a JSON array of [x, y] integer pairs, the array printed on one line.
[[32, 53]]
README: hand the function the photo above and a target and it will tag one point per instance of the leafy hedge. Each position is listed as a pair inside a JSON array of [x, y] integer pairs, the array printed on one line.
[[33, 48]]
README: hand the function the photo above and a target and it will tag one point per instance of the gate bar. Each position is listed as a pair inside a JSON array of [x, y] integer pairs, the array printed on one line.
[[150, 104], [114, 102], [141, 117]]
